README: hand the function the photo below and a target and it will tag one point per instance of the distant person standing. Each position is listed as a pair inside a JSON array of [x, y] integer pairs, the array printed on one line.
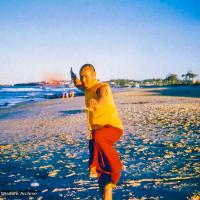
[[72, 93], [65, 95], [104, 129]]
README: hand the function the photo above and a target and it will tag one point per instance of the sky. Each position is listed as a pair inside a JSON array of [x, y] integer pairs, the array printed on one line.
[[132, 39]]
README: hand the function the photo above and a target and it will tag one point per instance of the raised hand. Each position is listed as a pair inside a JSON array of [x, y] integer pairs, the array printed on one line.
[[73, 75], [76, 80]]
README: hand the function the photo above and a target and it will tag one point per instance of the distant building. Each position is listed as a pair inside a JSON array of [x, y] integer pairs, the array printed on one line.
[[148, 83], [55, 83], [137, 85]]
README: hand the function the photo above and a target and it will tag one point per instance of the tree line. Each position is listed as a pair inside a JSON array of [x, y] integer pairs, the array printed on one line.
[[171, 79]]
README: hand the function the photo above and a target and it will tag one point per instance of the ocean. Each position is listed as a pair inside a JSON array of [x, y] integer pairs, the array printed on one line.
[[14, 95]]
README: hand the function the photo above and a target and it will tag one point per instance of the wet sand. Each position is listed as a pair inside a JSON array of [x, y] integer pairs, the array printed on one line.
[[44, 148]]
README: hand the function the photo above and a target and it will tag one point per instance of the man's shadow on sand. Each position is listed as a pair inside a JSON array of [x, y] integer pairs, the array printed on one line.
[[71, 112]]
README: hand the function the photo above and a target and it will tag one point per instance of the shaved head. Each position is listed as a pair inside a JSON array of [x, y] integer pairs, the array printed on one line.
[[87, 75], [89, 67]]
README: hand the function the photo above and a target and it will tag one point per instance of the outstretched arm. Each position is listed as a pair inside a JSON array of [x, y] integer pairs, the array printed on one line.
[[76, 81], [95, 104]]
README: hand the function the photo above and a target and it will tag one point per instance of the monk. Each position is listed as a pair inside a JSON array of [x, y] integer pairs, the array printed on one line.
[[104, 129]]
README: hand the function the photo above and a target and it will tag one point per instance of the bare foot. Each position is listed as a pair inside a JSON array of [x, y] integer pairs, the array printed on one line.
[[110, 185], [93, 172], [108, 191]]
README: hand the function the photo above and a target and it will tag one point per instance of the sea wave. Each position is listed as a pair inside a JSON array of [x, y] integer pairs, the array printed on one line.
[[11, 96], [20, 89]]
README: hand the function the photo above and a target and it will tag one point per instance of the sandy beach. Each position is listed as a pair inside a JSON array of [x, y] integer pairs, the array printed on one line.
[[44, 148]]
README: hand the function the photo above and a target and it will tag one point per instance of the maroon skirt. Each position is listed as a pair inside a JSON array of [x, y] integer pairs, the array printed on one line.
[[103, 155]]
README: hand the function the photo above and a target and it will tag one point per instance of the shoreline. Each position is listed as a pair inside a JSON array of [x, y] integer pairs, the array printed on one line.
[[183, 90]]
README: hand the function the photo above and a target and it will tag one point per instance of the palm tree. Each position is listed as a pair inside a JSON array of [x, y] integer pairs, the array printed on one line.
[[189, 76]]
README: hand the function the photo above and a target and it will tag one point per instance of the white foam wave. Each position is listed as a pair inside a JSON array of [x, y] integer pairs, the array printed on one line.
[[20, 89]]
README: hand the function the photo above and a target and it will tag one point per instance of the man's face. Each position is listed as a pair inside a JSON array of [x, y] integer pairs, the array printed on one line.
[[88, 77]]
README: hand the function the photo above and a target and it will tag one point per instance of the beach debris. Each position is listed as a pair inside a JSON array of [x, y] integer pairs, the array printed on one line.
[[35, 184], [12, 175], [53, 173], [36, 161], [169, 155], [83, 182], [60, 161], [21, 180], [5, 147], [133, 183], [45, 190], [46, 167], [72, 174]]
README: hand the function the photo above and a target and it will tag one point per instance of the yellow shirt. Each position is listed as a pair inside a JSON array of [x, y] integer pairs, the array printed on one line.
[[105, 114]]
